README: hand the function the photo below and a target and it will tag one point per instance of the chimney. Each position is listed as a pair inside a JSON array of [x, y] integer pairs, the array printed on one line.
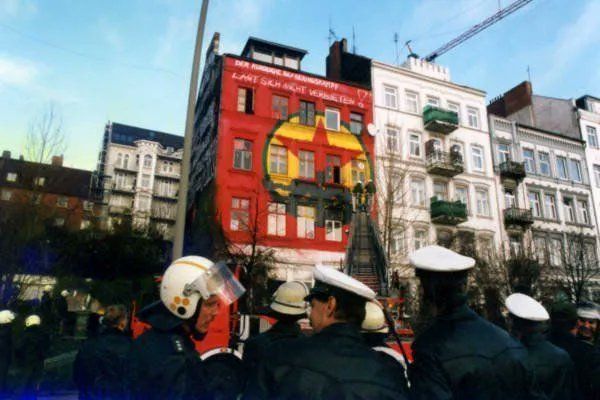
[[21, 158], [6, 155], [57, 161], [334, 59]]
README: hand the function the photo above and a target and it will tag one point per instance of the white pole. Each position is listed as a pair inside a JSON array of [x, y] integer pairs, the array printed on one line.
[[187, 139]]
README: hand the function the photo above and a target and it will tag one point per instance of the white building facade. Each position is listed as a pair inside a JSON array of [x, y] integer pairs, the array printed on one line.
[[433, 152], [140, 171]]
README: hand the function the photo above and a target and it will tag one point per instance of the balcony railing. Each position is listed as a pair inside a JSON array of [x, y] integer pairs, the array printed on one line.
[[512, 170], [448, 212], [517, 217], [444, 163], [437, 119]]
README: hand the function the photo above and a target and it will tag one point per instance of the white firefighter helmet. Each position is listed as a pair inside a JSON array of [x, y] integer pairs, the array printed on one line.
[[191, 278], [289, 298], [64, 293], [374, 321], [6, 317], [32, 320]]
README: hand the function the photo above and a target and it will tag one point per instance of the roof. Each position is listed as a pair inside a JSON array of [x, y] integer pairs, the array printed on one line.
[[58, 179], [273, 46], [128, 135], [537, 128]]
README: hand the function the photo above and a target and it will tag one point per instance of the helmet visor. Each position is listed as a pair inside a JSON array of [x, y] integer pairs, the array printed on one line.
[[218, 281]]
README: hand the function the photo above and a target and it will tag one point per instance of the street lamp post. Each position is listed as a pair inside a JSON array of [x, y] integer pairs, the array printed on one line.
[[187, 139]]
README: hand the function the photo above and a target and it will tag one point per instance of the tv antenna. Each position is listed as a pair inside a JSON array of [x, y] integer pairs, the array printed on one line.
[[331, 34], [396, 47]]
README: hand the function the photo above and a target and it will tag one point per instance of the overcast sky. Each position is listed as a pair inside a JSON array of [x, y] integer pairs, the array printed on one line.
[[129, 60]]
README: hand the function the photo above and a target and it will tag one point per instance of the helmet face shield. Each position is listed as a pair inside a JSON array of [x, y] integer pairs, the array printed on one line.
[[218, 281]]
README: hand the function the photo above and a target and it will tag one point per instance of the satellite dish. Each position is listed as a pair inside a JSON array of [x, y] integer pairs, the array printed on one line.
[[372, 129]]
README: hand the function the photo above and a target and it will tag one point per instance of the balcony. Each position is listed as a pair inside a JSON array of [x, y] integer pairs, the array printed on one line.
[[446, 212], [444, 163], [512, 170], [437, 119], [517, 217]]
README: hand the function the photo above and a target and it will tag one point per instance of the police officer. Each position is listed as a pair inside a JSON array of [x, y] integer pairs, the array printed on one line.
[[100, 367], [552, 366], [375, 331], [287, 307], [460, 355], [6, 319], [563, 319], [334, 363], [164, 362], [30, 355], [587, 322]]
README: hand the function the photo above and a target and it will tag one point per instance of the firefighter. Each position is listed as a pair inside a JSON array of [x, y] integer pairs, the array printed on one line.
[[460, 355], [587, 322], [287, 307], [375, 331], [100, 366], [6, 319], [333, 363], [563, 328], [163, 361], [552, 366], [30, 354]]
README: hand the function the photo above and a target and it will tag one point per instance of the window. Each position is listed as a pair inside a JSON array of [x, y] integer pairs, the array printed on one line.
[[119, 159], [39, 181], [332, 119], [550, 203], [597, 174], [568, 207], [306, 222], [278, 59], [584, 214], [561, 167], [503, 153], [144, 203], [85, 223], [420, 239], [276, 219], [556, 252], [62, 201], [528, 157], [440, 190], [167, 166], [395, 186], [242, 154], [397, 245], [60, 222], [292, 62], [307, 164], [412, 101], [6, 195], [278, 160], [147, 161], [433, 101], [452, 106], [516, 246], [88, 205], [473, 117], [462, 195], [575, 169], [125, 162], [477, 156], [592, 136], [486, 246], [483, 202], [509, 198], [390, 97], [359, 171], [540, 249], [145, 181], [245, 101], [392, 135], [415, 144], [534, 204], [333, 230], [333, 169], [262, 56], [280, 107], [307, 113], [240, 213], [11, 177], [544, 159], [137, 160], [356, 123], [417, 188]]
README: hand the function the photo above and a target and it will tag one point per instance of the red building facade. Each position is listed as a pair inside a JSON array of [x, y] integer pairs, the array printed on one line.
[[280, 150]]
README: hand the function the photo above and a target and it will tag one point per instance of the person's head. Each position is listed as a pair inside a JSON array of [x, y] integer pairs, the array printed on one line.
[[527, 316], [587, 322], [336, 297], [287, 303], [563, 317], [192, 289], [115, 316], [6, 317]]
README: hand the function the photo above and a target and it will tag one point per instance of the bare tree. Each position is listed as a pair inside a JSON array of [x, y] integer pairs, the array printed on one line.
[[45, 136]]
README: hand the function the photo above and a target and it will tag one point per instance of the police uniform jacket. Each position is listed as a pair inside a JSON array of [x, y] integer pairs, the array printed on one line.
[[257, 347], [332, 364], [462, 356], [5, 352], [100, 367]]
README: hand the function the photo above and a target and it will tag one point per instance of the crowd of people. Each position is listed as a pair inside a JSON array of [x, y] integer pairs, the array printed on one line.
[[543, 355]]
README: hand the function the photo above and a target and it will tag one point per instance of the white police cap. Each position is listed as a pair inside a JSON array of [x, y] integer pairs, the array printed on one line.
[[332, 277], [440, 259], [525, 307], [588, 313]]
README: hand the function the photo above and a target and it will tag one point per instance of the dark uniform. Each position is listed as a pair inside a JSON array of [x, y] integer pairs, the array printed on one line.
[[29, 355], [100, 367], [5, 353], [163, 361], [257, 347], [586, 360], [462, 356], [332, 364]]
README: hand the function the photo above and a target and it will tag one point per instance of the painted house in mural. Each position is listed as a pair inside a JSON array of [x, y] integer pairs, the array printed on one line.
[[276, 153]]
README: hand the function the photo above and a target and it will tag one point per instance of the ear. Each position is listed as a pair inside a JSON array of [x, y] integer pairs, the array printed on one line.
[[331, 306]]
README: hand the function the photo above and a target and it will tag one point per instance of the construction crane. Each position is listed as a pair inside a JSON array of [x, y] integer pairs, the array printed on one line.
[[503, 12]]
